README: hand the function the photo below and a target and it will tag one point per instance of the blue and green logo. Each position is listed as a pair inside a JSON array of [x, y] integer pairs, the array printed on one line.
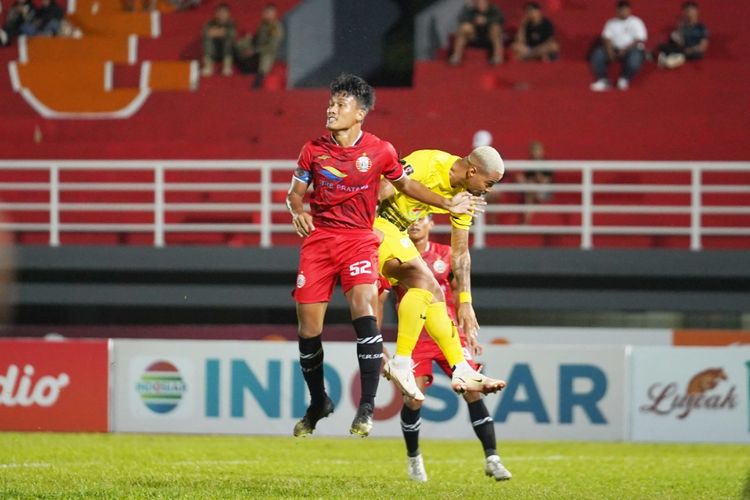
[[161, 387]]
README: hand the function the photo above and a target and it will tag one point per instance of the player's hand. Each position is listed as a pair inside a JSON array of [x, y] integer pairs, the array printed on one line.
[[466, 202], [472, 342], [386, 358], [303, 224], [467, 319]]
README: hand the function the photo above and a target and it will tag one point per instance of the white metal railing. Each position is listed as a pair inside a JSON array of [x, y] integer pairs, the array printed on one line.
[[163, 215]]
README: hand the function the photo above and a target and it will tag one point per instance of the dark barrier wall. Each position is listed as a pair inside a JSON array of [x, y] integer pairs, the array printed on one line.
[[213, 285], [328, 37]]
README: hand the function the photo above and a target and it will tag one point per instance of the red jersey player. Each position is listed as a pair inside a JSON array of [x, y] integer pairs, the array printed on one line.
[[438, 259], [344, 168]]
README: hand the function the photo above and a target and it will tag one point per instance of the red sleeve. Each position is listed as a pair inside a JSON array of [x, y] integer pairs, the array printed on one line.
[[393, 170], [303, 172]]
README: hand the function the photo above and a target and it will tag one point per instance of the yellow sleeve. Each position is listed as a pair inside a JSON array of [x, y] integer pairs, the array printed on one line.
[[462, 221]]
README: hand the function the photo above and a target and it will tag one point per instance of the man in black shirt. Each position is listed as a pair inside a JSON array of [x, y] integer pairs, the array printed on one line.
[[535, 39], [688, 41], [480, 25]]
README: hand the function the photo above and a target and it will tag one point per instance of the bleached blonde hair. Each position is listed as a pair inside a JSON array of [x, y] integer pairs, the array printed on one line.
[[487, 160]]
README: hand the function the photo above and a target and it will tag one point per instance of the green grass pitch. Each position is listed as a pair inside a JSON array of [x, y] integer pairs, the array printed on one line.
[[158, 466]]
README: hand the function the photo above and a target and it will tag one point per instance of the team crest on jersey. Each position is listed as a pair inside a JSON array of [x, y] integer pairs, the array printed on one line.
[[300, 280], [439, 266], [363, 163]]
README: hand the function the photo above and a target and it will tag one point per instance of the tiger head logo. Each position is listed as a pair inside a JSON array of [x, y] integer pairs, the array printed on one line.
[[706, 380]]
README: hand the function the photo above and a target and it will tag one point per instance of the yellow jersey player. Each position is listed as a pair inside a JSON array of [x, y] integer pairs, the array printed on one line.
[[423, 304]]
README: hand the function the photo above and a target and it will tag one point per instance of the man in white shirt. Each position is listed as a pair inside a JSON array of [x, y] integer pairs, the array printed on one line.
[[623, 39]]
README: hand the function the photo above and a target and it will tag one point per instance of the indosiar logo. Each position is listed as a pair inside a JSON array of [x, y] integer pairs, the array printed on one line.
[[161, 387]]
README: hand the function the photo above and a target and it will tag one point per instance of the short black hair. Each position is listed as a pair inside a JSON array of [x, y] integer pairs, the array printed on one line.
[[690, 4], [532, 6], [356, 87], [622, 4]]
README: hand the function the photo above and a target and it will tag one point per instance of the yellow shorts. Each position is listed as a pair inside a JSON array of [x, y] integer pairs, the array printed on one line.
[[395, 245]]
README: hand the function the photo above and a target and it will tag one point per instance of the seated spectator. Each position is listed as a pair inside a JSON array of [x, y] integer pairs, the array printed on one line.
[[535, 39], [688, 41], [47, 20], [480, 25], [20, 13], [256, 54], [541, 177], [623, 39], [218, 41]]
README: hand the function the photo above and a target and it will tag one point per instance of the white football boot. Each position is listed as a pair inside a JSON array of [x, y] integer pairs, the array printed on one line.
[[469, 380], [416, 469], [494, 468], [403, 378]]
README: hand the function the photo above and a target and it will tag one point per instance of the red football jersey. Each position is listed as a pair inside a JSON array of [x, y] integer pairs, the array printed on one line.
[[346, 180], [438, 259]]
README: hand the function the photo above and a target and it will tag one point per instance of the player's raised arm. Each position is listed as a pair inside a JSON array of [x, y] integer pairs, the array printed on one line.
[[460, 204]]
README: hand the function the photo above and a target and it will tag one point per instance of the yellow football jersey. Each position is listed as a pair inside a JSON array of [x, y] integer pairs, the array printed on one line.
[[430, 167]]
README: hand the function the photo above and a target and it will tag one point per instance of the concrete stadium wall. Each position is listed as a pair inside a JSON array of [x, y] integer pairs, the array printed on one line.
[[184, 285]]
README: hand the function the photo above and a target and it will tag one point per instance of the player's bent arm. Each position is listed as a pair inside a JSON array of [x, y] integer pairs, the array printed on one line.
[[461, 265], [462, 203], [301, 219], [385, 190]]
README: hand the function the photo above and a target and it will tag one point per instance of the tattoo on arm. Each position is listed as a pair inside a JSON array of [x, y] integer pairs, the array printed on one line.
[[461, 259]]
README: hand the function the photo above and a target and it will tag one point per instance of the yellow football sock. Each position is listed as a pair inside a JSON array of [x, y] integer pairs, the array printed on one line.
[[411, 317], [441, 329]]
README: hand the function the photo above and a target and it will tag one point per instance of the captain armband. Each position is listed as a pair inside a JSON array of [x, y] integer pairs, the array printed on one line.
[[302, 175]]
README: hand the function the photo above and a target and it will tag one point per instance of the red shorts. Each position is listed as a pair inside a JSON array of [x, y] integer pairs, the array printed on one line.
[[427, 351], [329, 253]]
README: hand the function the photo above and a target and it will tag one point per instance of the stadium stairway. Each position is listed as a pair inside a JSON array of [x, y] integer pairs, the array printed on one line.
[[75, 77]]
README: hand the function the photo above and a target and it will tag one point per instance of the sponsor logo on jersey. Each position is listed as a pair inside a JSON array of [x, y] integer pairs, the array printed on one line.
[[405, 242], [323, 157], [333, 174], [300, 280], [408, 169], [363, 163]]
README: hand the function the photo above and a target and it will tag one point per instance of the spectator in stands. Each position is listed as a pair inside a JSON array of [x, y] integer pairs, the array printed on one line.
[[688, 41], [47, 20], [541, 177], [535, 39], [258, 53], [623, 39], [480, 25], [218, 41], [20, 13]]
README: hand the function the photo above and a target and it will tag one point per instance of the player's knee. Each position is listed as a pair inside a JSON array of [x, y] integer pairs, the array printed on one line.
[[309, 333]]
